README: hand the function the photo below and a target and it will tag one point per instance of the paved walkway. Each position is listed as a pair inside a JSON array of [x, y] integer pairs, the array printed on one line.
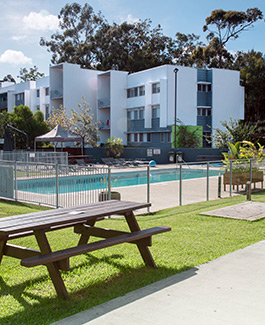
[[228, 290]]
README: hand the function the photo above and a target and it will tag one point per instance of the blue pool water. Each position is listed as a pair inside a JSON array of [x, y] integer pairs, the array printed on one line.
[[93, 182]]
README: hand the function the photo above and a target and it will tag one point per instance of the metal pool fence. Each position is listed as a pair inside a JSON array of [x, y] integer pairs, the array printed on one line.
[[55, 185], [38, 156], [166, 186]]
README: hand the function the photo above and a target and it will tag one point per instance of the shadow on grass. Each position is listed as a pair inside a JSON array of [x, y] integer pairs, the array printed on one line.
[[35, 309]]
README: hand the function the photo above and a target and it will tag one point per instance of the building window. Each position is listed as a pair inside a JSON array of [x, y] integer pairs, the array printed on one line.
[[136, 91], [169, 137], [19, 97], [204, 112], [47, 114], [141, 91], [47, 91], [148, 136], [135, 114], [141, 114], [135, 137], [162, 137], [38, 107], [38, 93], [132, 92], [156, 111], [128, 137], [207, 139], [141, 138], [156, 88], [204, 87]]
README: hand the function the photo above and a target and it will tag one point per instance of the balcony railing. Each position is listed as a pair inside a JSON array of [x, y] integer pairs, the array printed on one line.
[[3, 104], [104, 103], [58, 93], [104, 125]]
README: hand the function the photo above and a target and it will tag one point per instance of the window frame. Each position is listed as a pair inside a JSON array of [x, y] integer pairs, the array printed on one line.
[[156, 88]]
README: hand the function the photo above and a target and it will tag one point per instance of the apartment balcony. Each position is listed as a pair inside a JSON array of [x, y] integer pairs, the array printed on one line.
[[104, 125], [54, 94], [104, 103], [204, 98]]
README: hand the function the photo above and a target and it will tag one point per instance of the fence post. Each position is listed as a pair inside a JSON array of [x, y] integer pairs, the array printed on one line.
[[248, 190], [57, 185], [250, 171], [180, 184], [148, 187], [219, 185], [27, 159], [109, 183], [207, 186], [230, 187], [15, 169]]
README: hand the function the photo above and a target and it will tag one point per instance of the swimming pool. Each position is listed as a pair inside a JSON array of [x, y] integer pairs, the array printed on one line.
[[77, 183]]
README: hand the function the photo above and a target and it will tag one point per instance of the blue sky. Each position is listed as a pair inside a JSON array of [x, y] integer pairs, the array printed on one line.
[[23, 22]]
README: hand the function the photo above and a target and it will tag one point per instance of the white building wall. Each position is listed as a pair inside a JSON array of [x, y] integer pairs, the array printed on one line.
[[163, 103], [186, 95], [227, 96], [10, 100], [118, 96], [78, 83]]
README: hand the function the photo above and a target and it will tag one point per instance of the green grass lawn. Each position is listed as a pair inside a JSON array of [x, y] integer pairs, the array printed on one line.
[[27, 295]]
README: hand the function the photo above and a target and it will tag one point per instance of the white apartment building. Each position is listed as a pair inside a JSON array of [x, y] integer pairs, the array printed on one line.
[[139, 107]]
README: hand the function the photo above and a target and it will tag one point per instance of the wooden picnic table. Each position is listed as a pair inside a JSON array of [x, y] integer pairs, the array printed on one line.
[[82, 219]]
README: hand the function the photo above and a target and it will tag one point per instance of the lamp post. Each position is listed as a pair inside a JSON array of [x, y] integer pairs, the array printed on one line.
[[175, 117]]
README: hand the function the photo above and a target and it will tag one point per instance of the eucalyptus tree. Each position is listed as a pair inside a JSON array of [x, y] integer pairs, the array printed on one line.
[[223, 26]]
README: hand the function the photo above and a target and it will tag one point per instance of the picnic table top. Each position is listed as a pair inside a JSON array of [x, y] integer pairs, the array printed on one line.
[[65, 216]]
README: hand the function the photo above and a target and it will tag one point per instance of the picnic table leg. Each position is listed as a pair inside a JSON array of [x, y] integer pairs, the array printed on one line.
[[85, 237], [2, 247], [52, 267], [144, 250]]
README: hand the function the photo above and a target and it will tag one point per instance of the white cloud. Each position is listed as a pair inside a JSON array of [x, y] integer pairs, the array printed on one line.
[[14, 57], [130, 19], [18, 37], [41, 21]]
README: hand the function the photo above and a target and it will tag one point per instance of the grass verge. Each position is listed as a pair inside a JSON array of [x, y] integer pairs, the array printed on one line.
[[27, 295]]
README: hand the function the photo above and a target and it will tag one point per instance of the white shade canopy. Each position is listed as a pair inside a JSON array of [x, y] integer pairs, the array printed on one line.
[[58, 134]]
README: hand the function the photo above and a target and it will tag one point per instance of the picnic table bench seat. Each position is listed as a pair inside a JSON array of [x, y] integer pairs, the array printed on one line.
[[82, 249]]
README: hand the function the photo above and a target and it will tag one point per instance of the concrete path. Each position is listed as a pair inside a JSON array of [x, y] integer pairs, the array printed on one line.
[[228, 290]]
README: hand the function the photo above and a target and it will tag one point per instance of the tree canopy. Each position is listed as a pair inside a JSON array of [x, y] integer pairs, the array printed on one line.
[[30, 75], [23, 119], [226, 25], [86, 38]]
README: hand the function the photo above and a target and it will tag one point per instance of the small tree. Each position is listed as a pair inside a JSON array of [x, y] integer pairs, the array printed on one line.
[[59, 116], [80, 123], [187, 138], [233, 131], [83, 125], [114, 147]]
